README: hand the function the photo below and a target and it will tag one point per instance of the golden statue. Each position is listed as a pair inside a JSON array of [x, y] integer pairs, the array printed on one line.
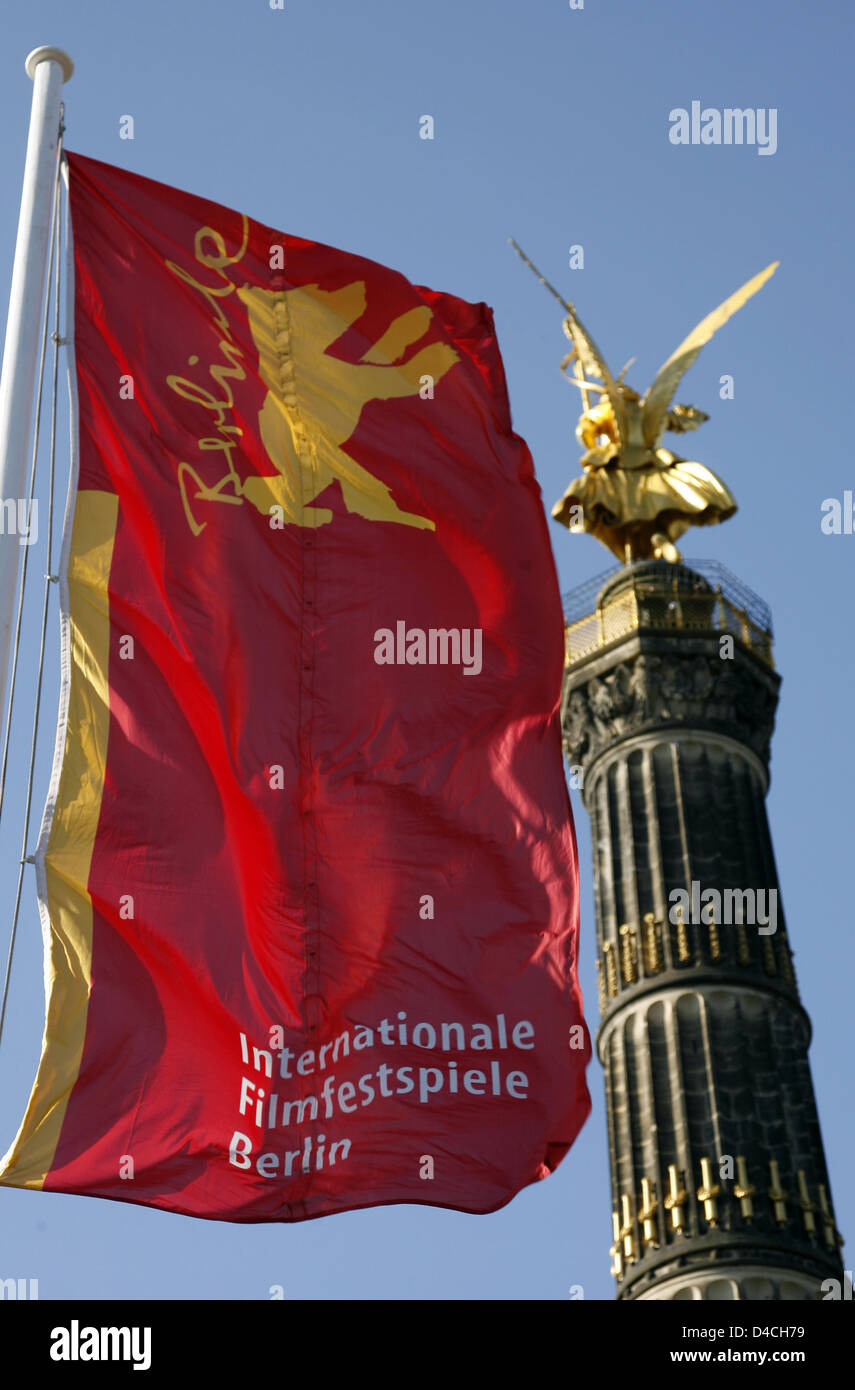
[[635, 496]]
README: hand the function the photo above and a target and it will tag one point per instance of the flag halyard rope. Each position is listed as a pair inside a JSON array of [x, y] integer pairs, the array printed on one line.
[[52, 300]]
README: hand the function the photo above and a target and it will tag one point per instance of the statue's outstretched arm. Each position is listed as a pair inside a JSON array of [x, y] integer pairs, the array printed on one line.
[[681, 418]]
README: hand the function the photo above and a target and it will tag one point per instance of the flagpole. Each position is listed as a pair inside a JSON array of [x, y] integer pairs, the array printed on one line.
[[49, 68]]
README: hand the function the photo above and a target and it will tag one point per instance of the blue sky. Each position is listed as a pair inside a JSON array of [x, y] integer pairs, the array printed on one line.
[[551, 125]]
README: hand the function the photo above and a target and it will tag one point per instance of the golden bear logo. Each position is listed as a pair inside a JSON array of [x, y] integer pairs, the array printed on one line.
[[315, 401]]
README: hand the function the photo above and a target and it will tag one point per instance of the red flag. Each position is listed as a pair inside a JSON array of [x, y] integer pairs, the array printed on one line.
[[308, 871]]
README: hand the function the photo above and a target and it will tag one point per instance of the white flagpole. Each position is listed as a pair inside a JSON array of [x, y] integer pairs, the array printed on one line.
[[49, 68]]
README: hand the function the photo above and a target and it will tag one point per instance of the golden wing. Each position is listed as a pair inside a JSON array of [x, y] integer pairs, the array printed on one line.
[[592, 364], [657, 399]]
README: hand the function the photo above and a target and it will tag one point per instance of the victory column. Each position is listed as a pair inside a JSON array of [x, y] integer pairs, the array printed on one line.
[[718, 1177]]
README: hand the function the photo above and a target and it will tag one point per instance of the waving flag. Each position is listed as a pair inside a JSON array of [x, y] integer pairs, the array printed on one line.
[[307, 870]]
